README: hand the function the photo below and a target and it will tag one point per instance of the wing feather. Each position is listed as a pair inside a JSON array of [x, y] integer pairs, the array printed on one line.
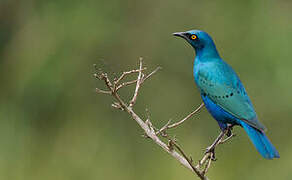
[[221, 84]]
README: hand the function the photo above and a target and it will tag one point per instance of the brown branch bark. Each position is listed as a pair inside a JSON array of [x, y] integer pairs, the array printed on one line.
[[172, 147]]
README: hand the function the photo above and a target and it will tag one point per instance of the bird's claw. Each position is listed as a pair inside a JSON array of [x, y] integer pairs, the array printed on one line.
[[229, 133], [229, 130], [211, 150]]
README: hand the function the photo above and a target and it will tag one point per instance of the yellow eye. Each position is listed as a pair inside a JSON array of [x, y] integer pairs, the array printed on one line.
[[193, 37]]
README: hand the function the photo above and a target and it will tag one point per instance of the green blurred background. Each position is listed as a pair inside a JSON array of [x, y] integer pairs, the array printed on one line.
[[54, 126]]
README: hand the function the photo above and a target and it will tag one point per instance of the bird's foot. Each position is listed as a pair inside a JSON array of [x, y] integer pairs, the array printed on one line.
[[211, 150], [229, 130]]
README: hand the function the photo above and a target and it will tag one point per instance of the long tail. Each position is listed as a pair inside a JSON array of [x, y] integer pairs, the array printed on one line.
[[261, 142]]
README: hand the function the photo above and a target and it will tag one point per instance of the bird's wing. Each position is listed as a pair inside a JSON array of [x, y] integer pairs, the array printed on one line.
[[221, 84]]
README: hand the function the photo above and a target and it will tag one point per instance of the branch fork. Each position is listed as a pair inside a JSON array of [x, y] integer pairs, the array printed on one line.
[[171, 147]]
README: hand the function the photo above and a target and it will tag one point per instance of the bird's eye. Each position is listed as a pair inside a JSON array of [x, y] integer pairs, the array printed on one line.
[[193, 37]]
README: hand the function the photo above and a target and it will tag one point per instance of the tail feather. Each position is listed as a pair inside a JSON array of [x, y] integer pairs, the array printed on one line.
[[261, 142]]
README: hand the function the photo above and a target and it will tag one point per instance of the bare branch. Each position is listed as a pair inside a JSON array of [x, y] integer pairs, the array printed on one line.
[[152, 73], [202, 161], [209, 156], [205, 162], [186, 118], [102, 91], [139, 81], [163, 129], [117, 105], [172, 148], [126, 84], [108, 83], [151, 134], [127, 73], [226, 139], [174, 125], [209, 161], [189, 160]]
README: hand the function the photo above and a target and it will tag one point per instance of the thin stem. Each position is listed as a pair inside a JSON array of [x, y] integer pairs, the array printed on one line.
[[174, 125], [102, 91], [149, 75], [227, 139], [124, 74], [126, 84], [186, 118], [133, 101]]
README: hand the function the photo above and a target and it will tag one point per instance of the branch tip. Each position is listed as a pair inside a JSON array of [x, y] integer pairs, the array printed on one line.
[[102, 91]]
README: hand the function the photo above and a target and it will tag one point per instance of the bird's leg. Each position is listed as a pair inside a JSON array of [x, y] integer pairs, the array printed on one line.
[[218, 140], [211, 149], [229, 134]]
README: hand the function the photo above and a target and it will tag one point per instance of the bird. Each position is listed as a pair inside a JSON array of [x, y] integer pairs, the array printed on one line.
[[223, 94]]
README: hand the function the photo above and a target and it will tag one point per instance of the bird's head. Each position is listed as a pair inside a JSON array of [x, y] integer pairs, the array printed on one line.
[[197, 38]]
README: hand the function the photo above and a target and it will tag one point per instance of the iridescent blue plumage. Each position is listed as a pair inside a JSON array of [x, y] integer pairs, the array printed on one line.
[[223, 93]]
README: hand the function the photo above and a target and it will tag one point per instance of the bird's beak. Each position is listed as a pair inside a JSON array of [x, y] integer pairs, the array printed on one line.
[[180, 34]]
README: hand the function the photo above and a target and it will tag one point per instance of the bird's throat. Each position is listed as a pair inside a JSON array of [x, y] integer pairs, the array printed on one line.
[[205, 52]]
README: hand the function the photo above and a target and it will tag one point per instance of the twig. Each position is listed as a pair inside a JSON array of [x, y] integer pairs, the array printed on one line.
[[126, 84], [127, 73], [209, 161], [139, 81], [102, 91], [149, 75], [226, 139], [174, 125], [117, 105]]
